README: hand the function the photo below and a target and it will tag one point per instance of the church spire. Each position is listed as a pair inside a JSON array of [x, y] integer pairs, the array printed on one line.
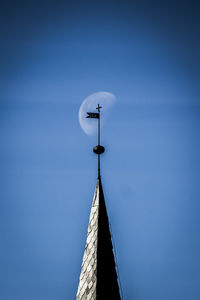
[[98, 278]]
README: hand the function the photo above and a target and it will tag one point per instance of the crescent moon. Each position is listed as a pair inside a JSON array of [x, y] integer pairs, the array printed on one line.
[[89, 104]]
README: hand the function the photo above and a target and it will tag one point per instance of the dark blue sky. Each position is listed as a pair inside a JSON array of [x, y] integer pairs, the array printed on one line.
[[53, 55]]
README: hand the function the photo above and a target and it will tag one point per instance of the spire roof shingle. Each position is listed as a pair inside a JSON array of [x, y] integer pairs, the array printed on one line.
[[98, 278]]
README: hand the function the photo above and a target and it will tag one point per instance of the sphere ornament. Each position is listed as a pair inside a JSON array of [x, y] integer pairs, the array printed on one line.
[[98, 149]]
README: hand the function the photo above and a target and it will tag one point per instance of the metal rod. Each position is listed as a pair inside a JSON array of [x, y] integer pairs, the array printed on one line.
[[98, 108], [99, 127]]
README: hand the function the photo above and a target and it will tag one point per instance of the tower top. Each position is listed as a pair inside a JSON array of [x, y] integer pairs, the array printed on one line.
[[98, 278], [97, 149]]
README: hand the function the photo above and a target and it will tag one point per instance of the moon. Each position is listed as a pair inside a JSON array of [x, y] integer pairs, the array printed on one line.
[[89, 104]]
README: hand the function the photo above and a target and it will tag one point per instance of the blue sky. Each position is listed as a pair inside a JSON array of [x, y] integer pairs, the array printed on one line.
[[53, 55]]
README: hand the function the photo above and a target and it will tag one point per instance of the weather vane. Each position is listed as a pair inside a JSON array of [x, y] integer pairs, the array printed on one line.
[[97, 149]]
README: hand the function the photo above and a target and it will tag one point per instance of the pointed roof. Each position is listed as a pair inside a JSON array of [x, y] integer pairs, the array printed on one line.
[[98, 278]]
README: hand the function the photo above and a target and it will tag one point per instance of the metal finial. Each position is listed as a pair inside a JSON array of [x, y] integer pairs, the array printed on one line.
[[97, 149]]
